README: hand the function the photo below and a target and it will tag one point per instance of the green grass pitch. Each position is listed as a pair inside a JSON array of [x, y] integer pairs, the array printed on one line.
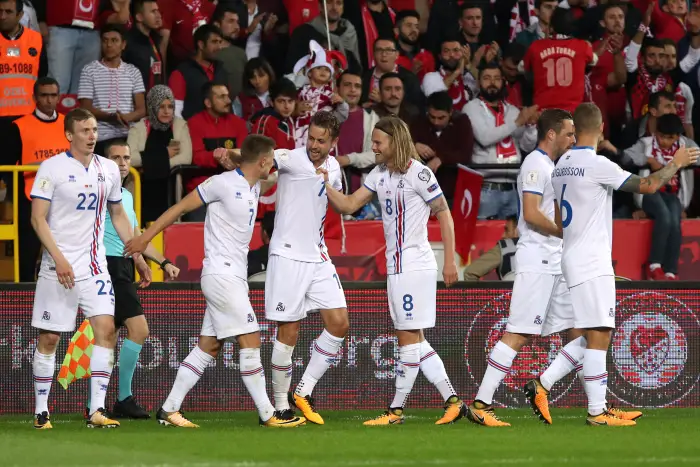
[[662, 437]]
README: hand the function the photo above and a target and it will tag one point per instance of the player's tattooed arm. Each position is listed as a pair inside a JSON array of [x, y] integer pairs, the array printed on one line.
[[438, 205], [652, 183], [684, 157]]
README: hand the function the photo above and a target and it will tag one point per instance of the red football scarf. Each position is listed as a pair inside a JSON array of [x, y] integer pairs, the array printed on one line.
[[505, 149], [664, 156]]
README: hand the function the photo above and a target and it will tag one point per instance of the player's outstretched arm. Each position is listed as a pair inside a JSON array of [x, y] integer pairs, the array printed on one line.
[[440, 209], [122, 225], [648, 185], [268, 183], [139, 244], [342, 203], [153, 254], [64, 271], [229, 159], [536, 218]]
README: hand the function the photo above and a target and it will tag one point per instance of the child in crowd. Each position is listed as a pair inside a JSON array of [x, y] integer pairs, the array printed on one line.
[[317, 94], [666, 206]]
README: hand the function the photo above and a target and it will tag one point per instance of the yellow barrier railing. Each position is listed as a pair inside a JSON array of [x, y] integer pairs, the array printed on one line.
[[11, 231]]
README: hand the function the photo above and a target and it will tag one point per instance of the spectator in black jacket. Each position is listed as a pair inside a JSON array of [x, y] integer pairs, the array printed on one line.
[[386, 53], [143, 43]]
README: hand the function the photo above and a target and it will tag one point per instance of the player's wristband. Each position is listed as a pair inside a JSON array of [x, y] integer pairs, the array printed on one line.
[[643, 28], [165, 262]]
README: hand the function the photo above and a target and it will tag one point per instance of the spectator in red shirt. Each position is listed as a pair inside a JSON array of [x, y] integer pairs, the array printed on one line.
[[668, 21], [188, 80], [608, 77], [258, 78], [215, 127], [180, 19], [558, 66], [411, 55], [300, 12], [114, 12], [276, 122]]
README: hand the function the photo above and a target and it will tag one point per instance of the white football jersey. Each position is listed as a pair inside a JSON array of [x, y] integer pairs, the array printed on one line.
[[232, 205], [536, 252], [79, 198], [404, 201], [583, 184], [302, 205]]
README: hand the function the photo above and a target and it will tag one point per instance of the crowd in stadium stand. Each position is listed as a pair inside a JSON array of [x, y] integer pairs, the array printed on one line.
[[180, 78]]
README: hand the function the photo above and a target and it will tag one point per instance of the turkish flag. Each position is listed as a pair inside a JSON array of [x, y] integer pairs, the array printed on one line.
[[466, 208]]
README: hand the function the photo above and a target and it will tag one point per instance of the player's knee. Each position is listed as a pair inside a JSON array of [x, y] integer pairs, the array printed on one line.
[[288, 333], [514, 341], [339, 325], [210, 345], [105, 333], [48, 341]]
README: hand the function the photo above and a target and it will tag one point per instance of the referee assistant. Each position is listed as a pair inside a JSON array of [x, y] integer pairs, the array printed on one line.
[[128, 311]]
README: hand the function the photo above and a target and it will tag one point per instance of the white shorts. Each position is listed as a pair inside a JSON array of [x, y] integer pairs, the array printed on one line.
[[228, 312], [412, 297], [594, 303], [294, 288], [56, 308], [540, 305]]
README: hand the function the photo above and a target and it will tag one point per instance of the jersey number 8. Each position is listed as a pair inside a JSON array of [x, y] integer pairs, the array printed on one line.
[[567, 213]]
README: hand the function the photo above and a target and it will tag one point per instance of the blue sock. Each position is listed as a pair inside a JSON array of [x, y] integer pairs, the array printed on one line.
[[128, 356]]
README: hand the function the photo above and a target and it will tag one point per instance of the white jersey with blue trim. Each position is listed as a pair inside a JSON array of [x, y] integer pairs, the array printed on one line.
[[302, 205], [232, 205], [404, 201], [583, 184], [76, 218], [536, 252]]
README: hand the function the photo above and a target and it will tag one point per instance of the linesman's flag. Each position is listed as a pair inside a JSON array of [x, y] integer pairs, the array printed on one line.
[[76, 364]]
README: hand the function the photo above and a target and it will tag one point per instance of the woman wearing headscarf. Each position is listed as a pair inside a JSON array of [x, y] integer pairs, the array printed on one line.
[[158, 143]]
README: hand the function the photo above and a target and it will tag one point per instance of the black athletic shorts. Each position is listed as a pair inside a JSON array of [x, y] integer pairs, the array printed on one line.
[[126, 300]]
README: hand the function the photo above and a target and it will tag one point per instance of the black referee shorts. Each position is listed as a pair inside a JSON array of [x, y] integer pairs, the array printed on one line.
[[126, 300]]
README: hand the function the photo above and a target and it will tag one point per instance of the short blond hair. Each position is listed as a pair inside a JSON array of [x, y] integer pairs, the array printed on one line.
[[587, 118], [402, 147]]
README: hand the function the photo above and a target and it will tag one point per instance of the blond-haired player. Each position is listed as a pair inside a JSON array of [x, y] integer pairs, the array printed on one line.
[[408, 193]]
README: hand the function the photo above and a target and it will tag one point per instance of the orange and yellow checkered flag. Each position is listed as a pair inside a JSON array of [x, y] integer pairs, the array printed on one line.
[[76, 364]]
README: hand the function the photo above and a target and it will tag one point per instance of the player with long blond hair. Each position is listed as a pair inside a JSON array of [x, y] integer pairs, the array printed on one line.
[[408, 193]]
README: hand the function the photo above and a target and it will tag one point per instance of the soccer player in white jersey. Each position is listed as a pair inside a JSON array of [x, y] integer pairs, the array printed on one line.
[[408, 193], [232, 202], [540, 303], [300, 275], [583, 185], [70, 196]]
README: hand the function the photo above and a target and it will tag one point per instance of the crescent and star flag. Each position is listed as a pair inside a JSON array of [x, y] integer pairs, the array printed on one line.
[[465, 209]]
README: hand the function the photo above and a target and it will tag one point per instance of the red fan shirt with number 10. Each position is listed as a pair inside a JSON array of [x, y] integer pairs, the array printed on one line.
[[558, 68]]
